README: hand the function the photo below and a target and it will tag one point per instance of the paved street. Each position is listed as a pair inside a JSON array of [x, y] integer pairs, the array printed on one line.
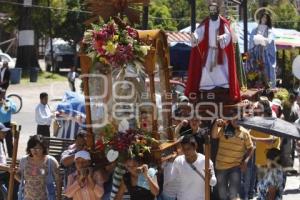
[[30, 94]]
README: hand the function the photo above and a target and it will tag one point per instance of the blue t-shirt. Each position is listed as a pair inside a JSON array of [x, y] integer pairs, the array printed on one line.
[[142, 181], [7, 110]]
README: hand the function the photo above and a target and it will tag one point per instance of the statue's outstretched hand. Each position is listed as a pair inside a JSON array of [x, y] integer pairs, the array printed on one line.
[[194, 41]]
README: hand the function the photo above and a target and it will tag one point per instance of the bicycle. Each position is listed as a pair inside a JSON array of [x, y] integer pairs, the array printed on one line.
[[18, 101]]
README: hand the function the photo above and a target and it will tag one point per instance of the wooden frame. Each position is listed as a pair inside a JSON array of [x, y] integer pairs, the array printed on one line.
[[158, 55]]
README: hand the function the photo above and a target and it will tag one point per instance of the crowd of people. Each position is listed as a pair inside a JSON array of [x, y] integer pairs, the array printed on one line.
[[247, 163]]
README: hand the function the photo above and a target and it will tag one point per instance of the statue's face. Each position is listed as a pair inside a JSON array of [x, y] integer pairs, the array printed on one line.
[[264, 19], [213, 12]]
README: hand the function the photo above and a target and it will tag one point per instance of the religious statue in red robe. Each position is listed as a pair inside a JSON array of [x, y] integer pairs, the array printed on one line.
[[212, 60]]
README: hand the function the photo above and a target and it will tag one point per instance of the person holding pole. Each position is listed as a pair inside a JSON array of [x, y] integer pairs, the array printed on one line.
[[190, 170], [234, 152]]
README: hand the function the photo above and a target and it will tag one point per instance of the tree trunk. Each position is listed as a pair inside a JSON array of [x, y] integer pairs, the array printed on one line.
[[26, 53]]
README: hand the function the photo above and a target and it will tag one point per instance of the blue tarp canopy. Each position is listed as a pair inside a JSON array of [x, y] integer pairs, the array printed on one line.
[[72, 104]]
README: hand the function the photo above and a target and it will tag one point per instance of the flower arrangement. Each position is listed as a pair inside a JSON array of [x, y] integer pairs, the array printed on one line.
[[121, 145], [114, 45]]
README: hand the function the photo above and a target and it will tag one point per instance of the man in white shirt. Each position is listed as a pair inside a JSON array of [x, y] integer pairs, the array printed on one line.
[[72, 75], [43, 116], [189, 169]]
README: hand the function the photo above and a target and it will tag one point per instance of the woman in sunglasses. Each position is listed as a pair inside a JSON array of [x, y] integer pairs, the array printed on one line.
[[38, 172]]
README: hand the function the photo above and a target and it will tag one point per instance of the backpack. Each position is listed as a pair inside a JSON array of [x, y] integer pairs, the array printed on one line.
[[50, 186]]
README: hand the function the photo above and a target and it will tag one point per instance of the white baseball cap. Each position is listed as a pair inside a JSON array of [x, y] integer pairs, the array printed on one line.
[[83, 154], [276, 102]]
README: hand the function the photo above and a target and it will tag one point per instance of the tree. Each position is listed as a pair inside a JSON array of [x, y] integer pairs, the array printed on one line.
[[160, 17], [286, 15], [72, 23], [175, 14]]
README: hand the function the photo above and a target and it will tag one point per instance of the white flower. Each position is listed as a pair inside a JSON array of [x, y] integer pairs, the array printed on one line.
[[145, 49], [112, 155]]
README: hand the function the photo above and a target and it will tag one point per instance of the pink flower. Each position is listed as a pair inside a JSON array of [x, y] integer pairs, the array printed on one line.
[[132, 32]]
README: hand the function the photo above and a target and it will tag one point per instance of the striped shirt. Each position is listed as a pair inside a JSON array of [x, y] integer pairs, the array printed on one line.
[[120, 170], [232, 150]]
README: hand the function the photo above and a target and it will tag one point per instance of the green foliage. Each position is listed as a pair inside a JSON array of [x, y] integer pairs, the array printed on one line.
[[72, 25], [159, 16], [169, 15], [40, 16], [9, 24], [286, 16], [175, 14]]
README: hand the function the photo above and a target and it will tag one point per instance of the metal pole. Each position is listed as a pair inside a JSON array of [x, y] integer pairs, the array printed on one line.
[[284, 84], [193, 15], [245, 20], [50, 35], [145, 17]]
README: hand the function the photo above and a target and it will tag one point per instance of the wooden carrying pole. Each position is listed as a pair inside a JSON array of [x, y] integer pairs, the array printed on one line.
[[16, 134], [150, 68], [207, 168], [85, 64]]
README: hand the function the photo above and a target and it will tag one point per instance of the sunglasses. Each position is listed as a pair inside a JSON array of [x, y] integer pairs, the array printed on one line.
[[36, 149]]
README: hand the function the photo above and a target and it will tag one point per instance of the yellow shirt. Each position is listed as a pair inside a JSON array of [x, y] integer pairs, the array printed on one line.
[[262, 147], [232, 150]]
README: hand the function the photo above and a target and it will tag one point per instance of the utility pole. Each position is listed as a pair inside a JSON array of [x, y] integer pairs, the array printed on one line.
[[193, 15], [145, 17], [26, 53], [51, 36], [245, 22]]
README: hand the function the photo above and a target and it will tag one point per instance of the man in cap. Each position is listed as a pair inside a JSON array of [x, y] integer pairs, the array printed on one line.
[[85, 182], [67, 157], [212, 60]]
